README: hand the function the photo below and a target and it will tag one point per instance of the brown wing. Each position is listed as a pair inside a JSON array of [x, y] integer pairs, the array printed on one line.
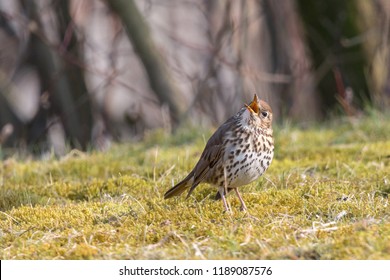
[[212, 153]]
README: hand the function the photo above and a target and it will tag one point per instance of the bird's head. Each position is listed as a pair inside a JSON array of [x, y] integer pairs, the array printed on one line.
[[261, 111]]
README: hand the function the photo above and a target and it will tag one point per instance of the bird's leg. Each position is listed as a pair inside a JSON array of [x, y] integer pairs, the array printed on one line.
[[243, 206], [224, 191], [227, 209]]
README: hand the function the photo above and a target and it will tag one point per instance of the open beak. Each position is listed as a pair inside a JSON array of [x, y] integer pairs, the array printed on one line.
[[254, 106]]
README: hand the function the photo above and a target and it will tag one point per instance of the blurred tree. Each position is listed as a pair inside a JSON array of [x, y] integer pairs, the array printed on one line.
[[289, 55], [8, 59], [60, 74], [158, 74], [96, 83], [374, 25], [339, 67]]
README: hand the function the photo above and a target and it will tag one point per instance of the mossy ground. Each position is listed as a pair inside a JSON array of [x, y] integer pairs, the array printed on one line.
[[325, 196]]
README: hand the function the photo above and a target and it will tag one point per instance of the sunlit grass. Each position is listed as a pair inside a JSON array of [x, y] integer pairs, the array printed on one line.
[[325, 196]]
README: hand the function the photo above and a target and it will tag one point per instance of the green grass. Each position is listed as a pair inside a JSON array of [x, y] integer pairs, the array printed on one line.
[[325, 196]]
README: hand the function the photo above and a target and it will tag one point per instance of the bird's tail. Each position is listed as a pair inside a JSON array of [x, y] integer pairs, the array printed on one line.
[[180, 187]]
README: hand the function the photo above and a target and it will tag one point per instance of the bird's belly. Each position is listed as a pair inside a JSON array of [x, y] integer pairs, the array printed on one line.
[[245, 167]]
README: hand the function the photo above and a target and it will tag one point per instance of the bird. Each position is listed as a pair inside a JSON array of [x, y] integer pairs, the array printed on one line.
[[238, 153]]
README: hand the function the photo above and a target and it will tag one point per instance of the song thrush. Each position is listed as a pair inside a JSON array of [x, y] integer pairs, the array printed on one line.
[[238, 153]]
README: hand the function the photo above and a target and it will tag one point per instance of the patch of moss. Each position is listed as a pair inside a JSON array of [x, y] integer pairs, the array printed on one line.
[[325, 196]]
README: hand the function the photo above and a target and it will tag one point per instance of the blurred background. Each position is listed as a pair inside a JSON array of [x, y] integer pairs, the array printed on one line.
[[83, 74]]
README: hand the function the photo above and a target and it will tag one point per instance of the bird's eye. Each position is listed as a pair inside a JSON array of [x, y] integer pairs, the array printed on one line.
[[264, 114]]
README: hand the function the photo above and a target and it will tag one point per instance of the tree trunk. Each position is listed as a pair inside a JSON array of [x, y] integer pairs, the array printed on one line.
[[340, 64], [158, 74], [62, 80]]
